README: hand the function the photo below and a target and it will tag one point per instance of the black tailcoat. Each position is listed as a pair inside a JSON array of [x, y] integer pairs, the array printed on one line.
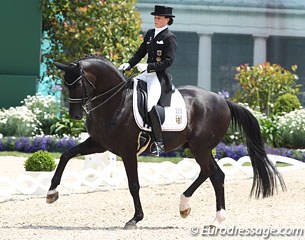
[[161, 52]]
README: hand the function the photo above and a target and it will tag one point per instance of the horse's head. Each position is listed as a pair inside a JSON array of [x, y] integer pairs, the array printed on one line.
[[75, 81], [92, 82]]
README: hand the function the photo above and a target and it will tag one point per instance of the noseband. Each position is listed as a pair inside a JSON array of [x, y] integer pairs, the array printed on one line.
[[69, 85], [86, 100]]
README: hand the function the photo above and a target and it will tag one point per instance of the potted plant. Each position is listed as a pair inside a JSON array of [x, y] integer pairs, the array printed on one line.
[[36, 166], [40, 161]]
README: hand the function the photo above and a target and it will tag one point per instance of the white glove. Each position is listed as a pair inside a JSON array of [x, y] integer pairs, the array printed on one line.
[[124, 66], [142, 67]]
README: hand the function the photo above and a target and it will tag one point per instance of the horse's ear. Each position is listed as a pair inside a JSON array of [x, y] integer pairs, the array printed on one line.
[[61, 66]]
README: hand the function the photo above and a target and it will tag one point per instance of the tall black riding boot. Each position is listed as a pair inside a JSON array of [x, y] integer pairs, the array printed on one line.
[[157, 147]]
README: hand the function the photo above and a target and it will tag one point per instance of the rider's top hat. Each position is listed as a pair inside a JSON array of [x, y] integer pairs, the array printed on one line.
[[163, 11]]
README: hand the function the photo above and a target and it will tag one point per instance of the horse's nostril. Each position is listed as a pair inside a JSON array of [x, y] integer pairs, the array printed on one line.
[[78, 117]]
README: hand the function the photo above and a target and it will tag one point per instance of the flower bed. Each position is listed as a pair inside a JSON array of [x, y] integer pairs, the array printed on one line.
[[55, 144], [34, 144], [238, 151]]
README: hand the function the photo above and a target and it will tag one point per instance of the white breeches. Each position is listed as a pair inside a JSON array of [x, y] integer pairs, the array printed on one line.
[[153, 88]]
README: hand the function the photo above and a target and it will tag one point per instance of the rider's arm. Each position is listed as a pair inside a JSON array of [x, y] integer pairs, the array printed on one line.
[[142, 51]]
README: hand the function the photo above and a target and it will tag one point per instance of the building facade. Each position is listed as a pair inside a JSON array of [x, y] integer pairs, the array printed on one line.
[[20, 24], [216, 36]]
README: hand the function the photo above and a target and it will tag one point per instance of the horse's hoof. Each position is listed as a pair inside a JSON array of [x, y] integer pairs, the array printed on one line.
[[130, 226], [185, 213], [52, 196], [219, 219], [184, 206]]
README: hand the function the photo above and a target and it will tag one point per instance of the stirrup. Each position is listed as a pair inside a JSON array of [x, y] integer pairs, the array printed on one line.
[[157, 148]]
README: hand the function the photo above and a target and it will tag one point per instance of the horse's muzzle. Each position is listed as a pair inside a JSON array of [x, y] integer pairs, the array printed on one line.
[[77, 115]]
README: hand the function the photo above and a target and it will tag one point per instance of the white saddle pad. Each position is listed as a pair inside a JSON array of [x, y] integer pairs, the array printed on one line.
[[175, 115]]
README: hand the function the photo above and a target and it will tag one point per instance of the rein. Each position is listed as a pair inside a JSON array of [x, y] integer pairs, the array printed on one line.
[[116, 88]]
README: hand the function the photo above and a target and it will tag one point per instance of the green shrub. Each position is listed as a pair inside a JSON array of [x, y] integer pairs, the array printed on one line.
[[268, 126], [76, 28], [270, 132], [189, 154], [18, 121], [234, 136], [292, 129], [40, 161], [35, 116], [45, 108], [261, 85], [286, 103], [65, 125]]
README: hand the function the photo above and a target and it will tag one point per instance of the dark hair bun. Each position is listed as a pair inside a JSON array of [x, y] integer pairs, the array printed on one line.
[[171, 21]]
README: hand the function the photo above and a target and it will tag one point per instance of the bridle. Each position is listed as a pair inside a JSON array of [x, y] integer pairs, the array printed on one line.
[[86, 100]]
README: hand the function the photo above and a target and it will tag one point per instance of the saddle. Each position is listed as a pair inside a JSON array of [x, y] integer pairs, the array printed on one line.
[[173, 118], [142, 104]]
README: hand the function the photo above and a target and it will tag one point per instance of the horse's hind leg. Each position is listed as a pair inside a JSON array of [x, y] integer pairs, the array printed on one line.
[[207, 167], [217, 179], [86, 147]]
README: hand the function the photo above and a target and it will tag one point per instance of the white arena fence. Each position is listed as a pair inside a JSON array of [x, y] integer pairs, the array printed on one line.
[[104, 172]]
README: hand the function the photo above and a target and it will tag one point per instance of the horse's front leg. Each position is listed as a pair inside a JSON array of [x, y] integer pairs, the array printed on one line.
[[84, 148], [131, 167]]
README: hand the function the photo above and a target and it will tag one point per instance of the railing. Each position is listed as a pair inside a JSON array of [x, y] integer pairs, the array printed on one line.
[[102, 172]]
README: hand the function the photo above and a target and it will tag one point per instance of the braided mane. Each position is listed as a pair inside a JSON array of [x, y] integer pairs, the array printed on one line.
[[94, 56], [99, 57]]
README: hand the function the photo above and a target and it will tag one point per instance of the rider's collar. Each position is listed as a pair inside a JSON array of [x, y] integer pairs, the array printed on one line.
[[158, 30]]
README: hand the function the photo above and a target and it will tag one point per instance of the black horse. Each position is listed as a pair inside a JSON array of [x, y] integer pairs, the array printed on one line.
[[96, 85]]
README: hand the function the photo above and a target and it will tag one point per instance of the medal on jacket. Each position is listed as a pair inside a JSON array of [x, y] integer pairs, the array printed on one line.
[[159, 54], [149, 41]]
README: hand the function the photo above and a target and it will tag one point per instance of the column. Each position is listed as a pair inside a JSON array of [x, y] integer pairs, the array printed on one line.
[[205, 60], [260, 49]]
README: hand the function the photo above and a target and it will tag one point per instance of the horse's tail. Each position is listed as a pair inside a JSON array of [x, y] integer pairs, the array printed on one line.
[[265, 173]]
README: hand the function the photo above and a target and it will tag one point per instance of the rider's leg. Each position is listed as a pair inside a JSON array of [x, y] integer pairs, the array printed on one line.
[[153, 90], [154, 93], [155, 122]]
